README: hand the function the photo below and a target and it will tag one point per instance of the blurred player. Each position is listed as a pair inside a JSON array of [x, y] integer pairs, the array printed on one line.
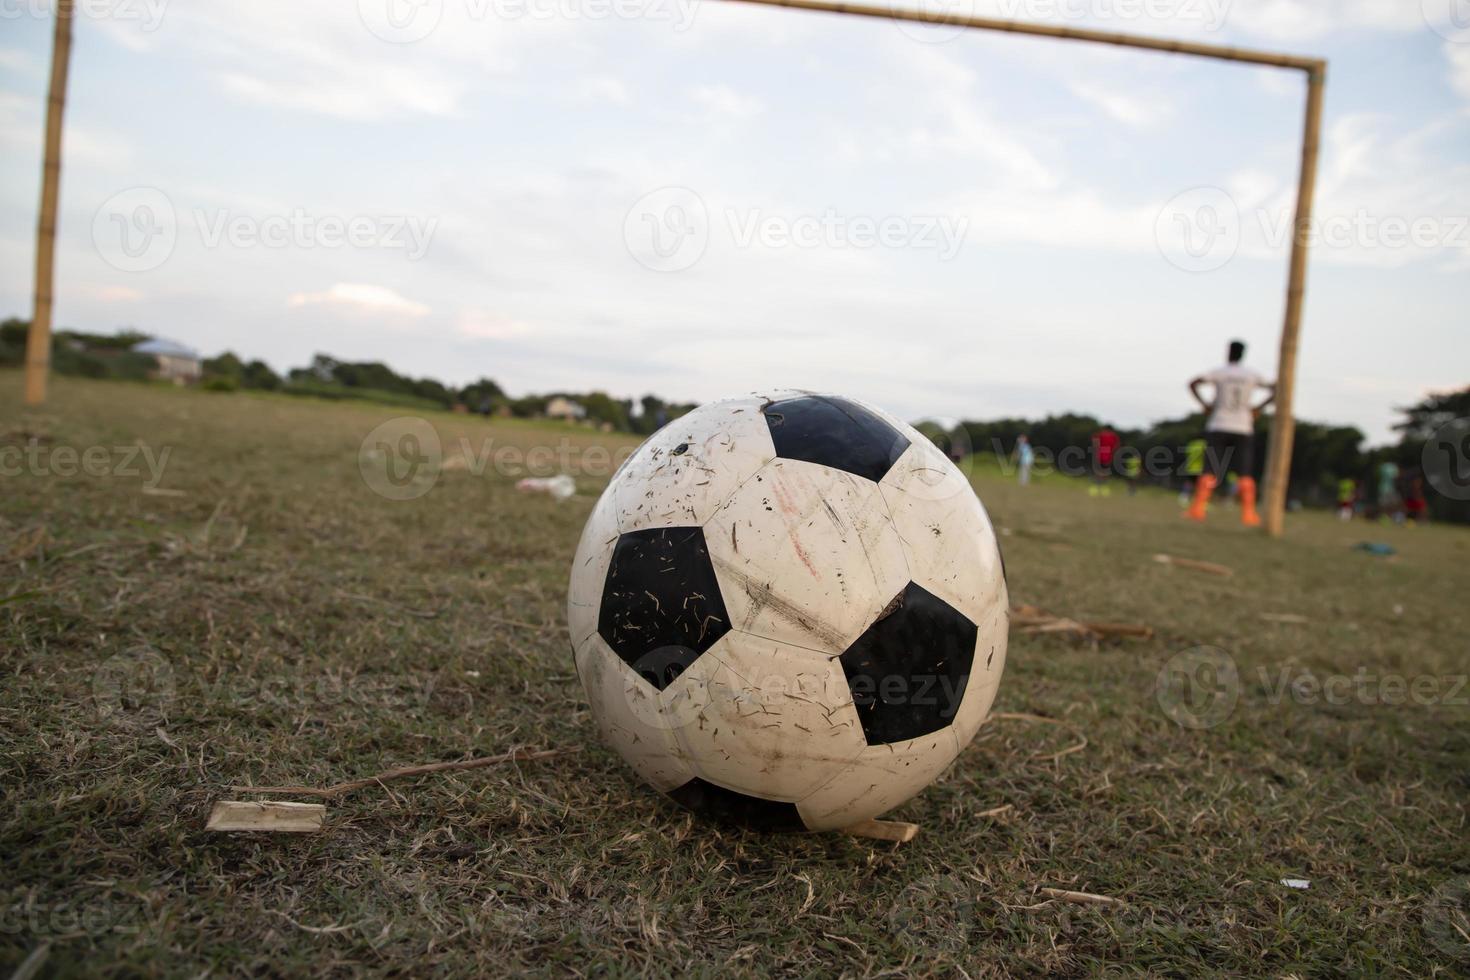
[[1132, 470], [1194, 466], [1025, 457], [1416, 508], [1104, 446], [1230, 432], [1388, 492], [1347, 498]]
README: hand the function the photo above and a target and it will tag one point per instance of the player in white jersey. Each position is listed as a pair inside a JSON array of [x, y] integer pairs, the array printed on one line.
[[1229, 433]]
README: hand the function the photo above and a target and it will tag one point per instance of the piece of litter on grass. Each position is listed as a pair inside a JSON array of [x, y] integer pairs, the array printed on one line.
[[279, 818], [1300, 883], [559, 487], [1376, 548]]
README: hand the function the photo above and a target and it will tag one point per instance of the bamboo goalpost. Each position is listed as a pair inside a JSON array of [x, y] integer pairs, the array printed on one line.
[[1283, 427], [1283, 423], [38, 338]]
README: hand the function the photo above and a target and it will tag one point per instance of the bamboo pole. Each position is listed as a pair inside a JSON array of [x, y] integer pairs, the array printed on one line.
[[1283, 422], [1283, 426], [38, 340], [1218, 51]]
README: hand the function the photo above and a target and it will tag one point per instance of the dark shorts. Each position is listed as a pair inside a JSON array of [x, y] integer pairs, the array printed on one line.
[[1228, 451]]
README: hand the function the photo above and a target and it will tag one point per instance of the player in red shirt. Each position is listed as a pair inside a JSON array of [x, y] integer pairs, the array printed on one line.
[[1104, 447]]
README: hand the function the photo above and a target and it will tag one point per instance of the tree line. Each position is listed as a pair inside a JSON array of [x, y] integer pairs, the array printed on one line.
[[90, 355]]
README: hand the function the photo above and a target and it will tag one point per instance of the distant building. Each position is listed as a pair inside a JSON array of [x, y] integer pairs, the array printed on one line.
[[566, 409], [176, 362]]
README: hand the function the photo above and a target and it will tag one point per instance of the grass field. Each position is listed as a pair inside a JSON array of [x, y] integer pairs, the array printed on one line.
[[259, 614]]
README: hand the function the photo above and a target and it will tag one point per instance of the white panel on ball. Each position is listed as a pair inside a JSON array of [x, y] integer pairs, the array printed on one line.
[[772, 721], [881, 778], [985, 673], [589, 570], [806, 554], [950, 545], [631, 716], [683, 472]]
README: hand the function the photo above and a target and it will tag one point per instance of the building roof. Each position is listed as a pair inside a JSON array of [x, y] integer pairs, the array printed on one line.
[[166, 348]]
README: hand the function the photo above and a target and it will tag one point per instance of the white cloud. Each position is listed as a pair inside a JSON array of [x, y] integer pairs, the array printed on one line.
[[14, 59], [363, 298], [1299, 20], [1384, 198], [347, 98], [950, 119], [723, 100], [1459, 58], [22, 127], [1127, 109], [483, 325], [603, 88], [321, 58], [116, 294]]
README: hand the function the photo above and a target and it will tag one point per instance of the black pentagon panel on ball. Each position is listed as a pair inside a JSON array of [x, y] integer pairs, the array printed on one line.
[[737, 809], [834, 432], [907, 672], [661, 605]]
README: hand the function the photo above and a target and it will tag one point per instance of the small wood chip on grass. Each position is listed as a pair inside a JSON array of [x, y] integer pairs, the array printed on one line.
[[1285, 618], [1195, 565], [897, 831], [273, 817]]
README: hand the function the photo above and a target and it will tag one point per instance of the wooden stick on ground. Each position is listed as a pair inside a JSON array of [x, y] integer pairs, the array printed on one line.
[[1029, 619], [1081, 898], [897, 831], [342, 789], [1132, 630]]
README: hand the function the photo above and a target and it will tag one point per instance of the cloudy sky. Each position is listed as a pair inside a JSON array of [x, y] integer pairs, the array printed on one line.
[[699, 198]]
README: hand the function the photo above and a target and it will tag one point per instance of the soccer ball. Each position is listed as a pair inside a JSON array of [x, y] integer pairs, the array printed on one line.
[[789, 613]]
